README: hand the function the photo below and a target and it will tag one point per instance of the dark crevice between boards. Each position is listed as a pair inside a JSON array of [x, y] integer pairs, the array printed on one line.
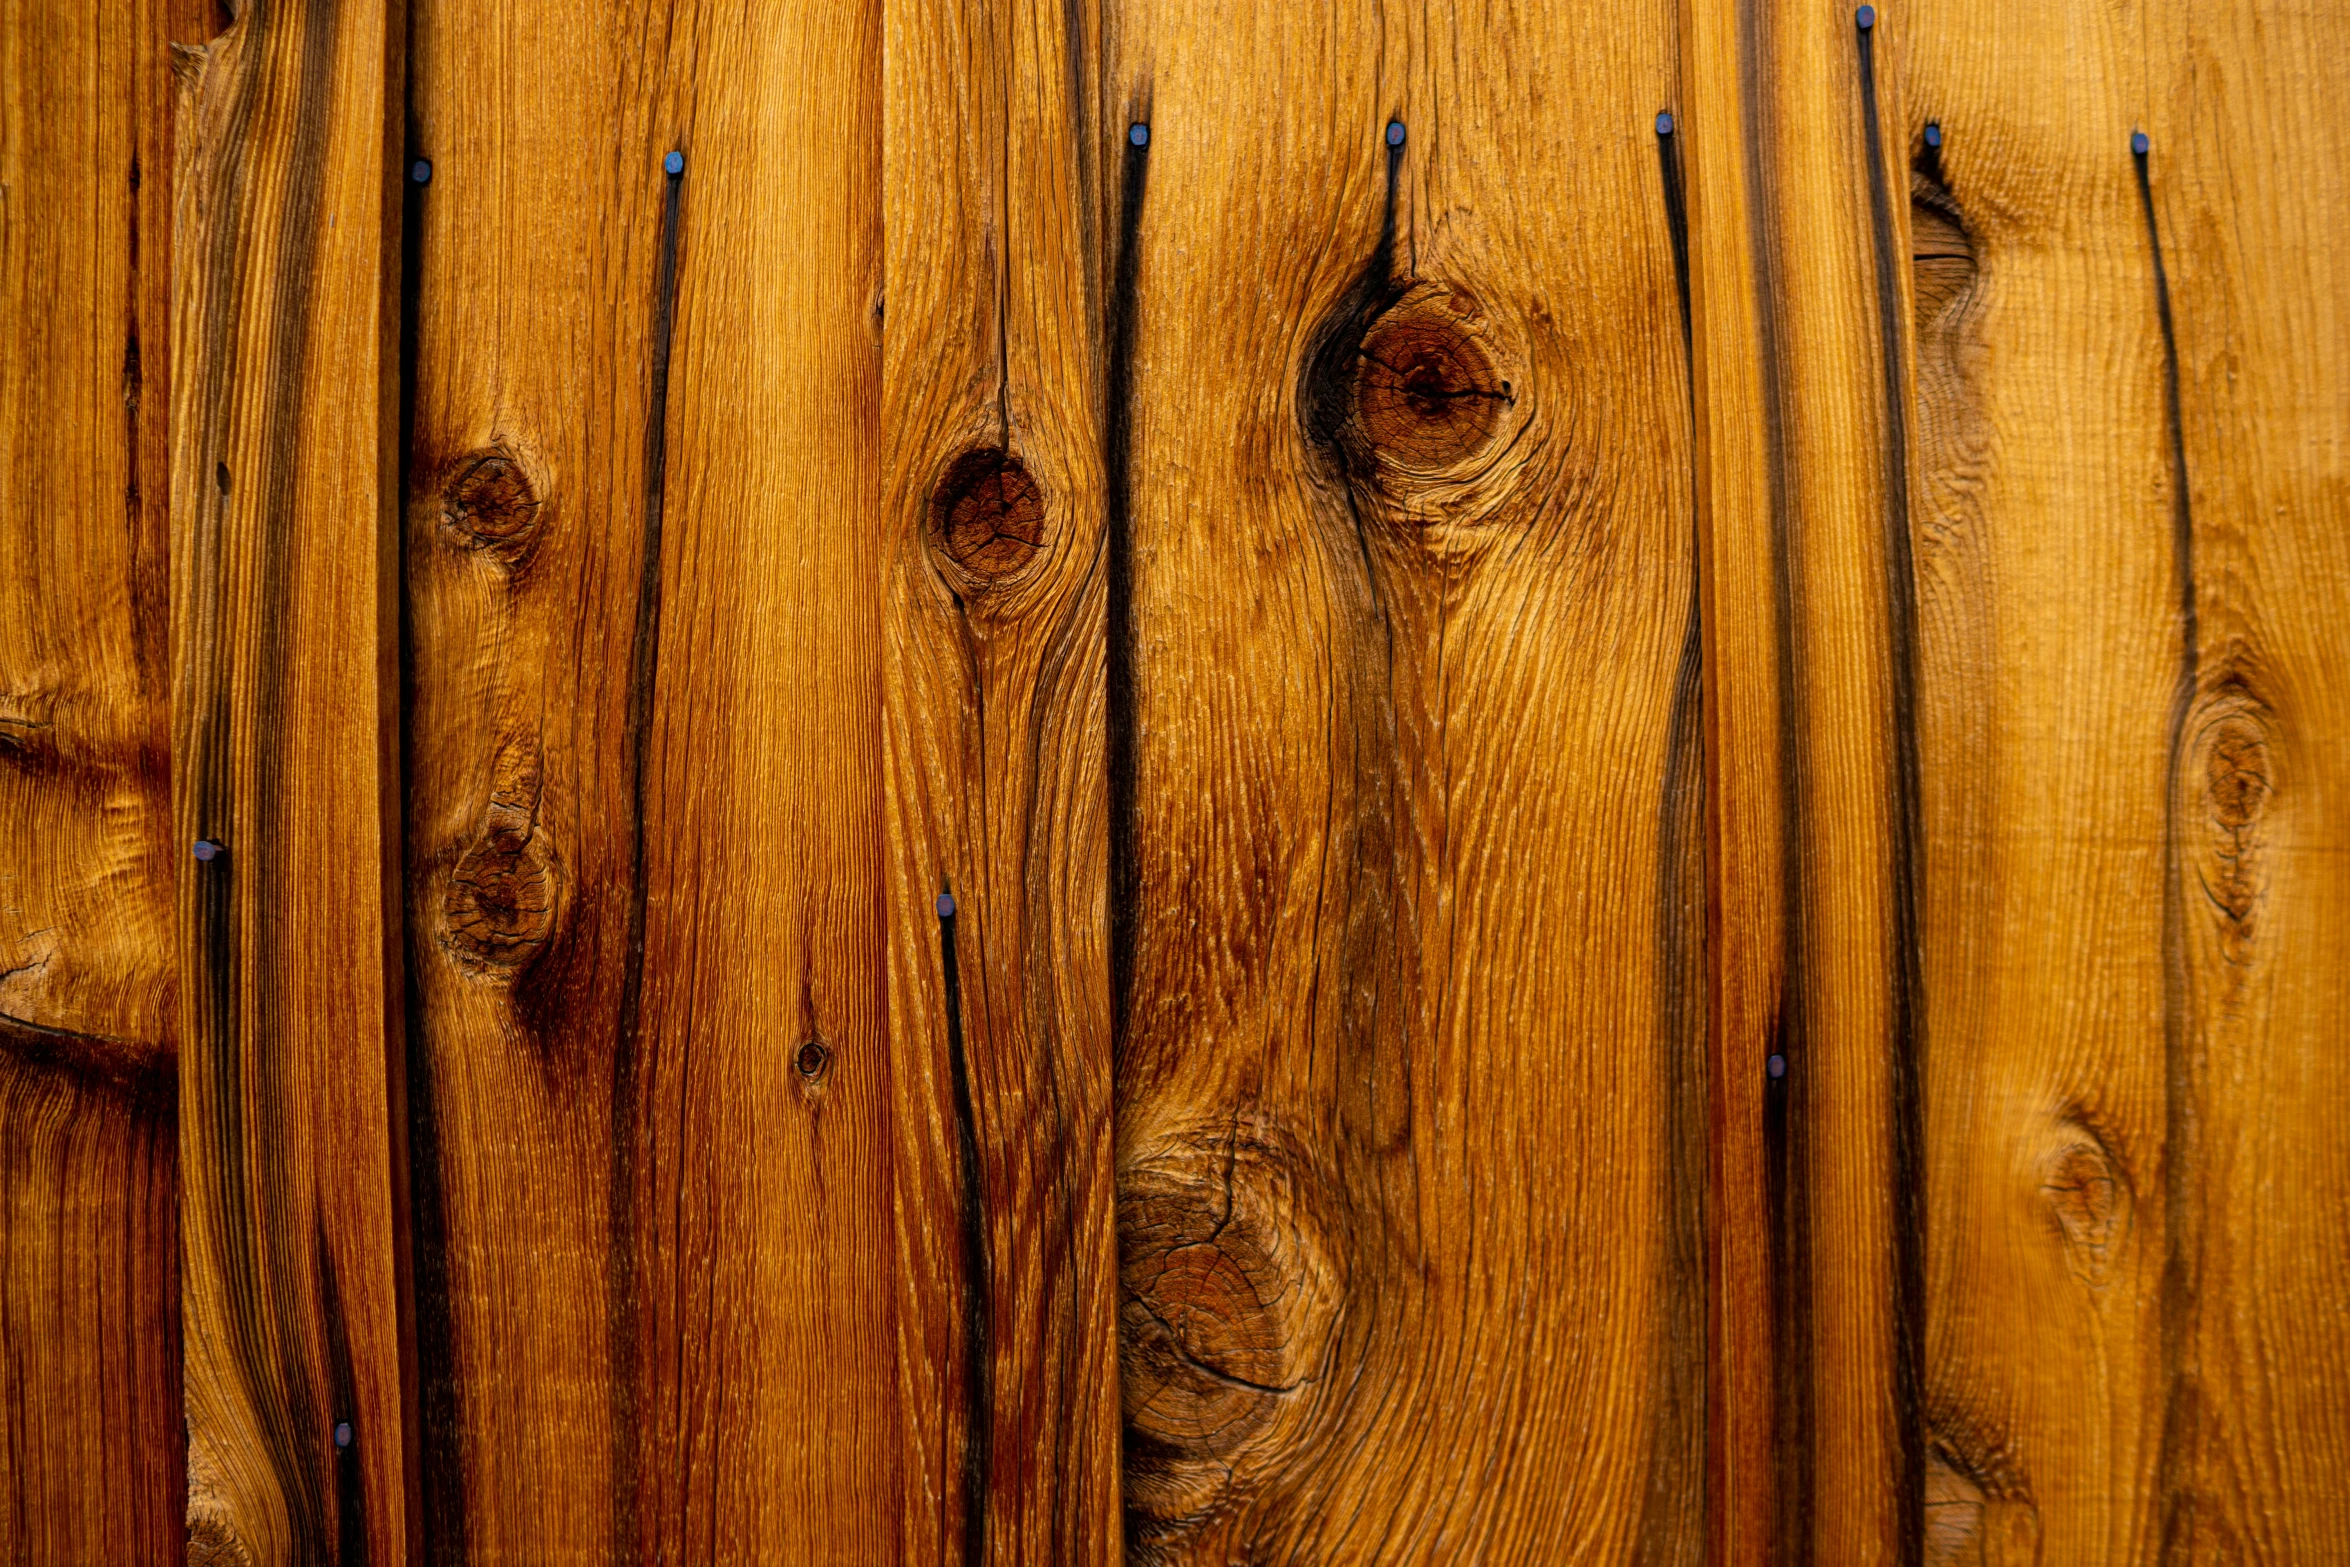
[[2182, 1240], [1671, 1530], [978, 1270], [1906, 992], [622, 1305], [1118, 548], [1785, 1147]]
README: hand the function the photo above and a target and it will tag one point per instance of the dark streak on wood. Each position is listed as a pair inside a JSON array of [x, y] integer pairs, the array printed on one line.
[[978, 1270], [2182, 1260], [1907, 1045], [623, 1308], [1118, 546]]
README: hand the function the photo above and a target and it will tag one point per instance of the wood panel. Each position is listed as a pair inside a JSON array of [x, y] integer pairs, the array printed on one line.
[[998, 787], [90, 1446], [1818, 1023], [2131, 555], [284, 760], [644, 732], [1409, 1269]]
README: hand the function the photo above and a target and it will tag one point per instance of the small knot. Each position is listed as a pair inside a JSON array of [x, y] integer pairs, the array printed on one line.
[[1426, 394], [813, 1060], [987, 513], [492, 505]]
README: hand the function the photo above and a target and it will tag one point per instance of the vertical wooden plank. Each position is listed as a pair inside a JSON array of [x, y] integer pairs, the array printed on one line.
[[2132, 546], [645, 888], [90, 1442], [999, 982], [1819, 1026], [1411, 1269], [284, 726]]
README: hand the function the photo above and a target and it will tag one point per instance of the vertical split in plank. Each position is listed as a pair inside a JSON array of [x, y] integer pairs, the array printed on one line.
[[993, 386], [1410, 1250], [284, 726], [1819, 1026], [90, 1435], [651, 1072]]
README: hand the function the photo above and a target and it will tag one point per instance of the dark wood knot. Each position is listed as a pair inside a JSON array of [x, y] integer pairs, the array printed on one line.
[[491, 505], [813, 1060], [987, 513], [1426, 393]]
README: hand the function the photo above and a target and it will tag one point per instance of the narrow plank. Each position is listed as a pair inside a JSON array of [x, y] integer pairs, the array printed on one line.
[[91, 1446], [284, 736], [994, 509], [2134, 553], [1819, 1025], [1411, 1268], [644, 888]]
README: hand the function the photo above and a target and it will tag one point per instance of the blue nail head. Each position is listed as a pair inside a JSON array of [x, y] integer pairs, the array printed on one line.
[[946, 905], [1933, 135], [421, 171], [342, 1433], [1395, 133], [2139, 143], [207, 850], [674, 163], [1867, 17], [1664, 123], [1139, 134], [1776, 1066]]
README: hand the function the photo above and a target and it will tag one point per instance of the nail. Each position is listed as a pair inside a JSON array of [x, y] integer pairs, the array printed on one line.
[[1933, 133], [342, 1433], [1664, 122], [420, 172], [1866, 16], [1395, 133], [674, 163], [207, 850], [2139, 143], [946, 906], [1139, 134], [1776, 1066]]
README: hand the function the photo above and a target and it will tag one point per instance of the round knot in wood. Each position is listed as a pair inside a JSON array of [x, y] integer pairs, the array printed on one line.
[[492, 505], [1426, 394], [987, 513]]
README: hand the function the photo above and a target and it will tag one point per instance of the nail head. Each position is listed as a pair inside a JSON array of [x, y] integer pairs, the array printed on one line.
[[2139, 143], [342, 1433], [1776, 1066], [946, 905], [674, 163], [1139, 134], [207, 850], [1934, 135], [1664, 122], [421, 171], [1395, 133], [1866, 17]]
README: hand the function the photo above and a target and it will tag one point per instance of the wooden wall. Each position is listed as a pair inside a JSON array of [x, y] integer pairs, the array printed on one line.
[[969, 780]]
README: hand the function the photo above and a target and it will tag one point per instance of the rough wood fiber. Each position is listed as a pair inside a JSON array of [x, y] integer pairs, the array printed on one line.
[[283, 642], [998, 348], [652, 1166], [90, 1447], [1410, 1271], [1811, 777], [2134, 573]]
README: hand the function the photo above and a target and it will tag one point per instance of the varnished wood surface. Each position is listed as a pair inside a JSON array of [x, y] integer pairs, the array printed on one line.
[[999, 354], [644, 729], [1410, 1268], [90, 1446], [284, 726]]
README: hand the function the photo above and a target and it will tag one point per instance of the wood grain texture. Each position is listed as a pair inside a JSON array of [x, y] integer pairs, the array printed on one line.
[[644, 610], [1810, 656], [2134, 572], [284, 726], [1410, 1270], [997, 360], [90, 1444]]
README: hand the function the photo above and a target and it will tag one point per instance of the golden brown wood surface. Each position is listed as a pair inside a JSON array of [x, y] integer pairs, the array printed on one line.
[[284, 726], [1410, 1269], [999, 984], [652, 1167], [90, 1449]]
